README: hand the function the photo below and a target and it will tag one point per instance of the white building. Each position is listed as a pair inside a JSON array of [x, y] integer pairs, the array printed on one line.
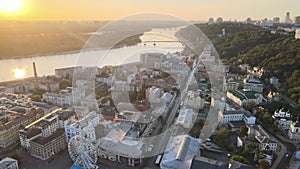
[[233, 115], [194, 101], [294, 131], [283, 118], [115, 146], [180, 152], [84, 127], [153, 94], [274, 81], [263, 141], [288, 18], [252, 84], [230, 84], [276, 20], [9, 163], [185, 118], [210, 21], [297, 20]]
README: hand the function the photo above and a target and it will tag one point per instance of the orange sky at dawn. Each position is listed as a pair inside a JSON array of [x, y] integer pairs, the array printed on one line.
[[188, 9]]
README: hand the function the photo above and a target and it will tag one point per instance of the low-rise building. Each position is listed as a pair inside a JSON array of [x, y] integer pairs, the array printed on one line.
[[241, 98], [252, 84], [60, 99], [294, 131], [84, 127], [65, 72], [116, 147], [264, 141], [186, 118], [234, 115], [283, 118], [180, 152], [204, 162], [230, 84], [9, 163]]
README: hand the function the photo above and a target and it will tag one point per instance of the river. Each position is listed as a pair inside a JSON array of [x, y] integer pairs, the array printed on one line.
[[47, 64]]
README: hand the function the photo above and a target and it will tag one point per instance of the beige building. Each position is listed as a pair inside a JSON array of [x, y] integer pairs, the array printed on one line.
[[294, 131], [46, 147], [9, 131]]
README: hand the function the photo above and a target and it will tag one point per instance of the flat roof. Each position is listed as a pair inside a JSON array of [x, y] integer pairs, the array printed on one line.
[[44, 140]]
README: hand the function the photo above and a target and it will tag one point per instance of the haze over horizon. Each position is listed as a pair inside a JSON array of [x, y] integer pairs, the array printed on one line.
[[110, 10]]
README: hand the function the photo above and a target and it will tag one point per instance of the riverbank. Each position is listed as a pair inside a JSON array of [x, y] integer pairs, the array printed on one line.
[[130, 41]]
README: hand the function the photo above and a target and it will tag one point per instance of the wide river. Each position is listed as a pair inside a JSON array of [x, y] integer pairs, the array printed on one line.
[[47, 64]]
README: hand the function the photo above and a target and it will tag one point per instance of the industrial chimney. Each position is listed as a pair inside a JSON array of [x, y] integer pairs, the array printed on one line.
[[35, 75]]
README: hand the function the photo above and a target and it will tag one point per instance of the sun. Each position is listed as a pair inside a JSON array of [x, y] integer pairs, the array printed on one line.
[[19, 73], [10, 6]]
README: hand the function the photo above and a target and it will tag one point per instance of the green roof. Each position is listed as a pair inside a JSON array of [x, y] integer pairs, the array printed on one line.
[[243, 95]]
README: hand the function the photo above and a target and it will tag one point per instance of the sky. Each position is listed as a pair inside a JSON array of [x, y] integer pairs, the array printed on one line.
[[186, 9]]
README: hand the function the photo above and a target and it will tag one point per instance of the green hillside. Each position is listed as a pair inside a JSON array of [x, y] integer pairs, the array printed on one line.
[[244, 43]]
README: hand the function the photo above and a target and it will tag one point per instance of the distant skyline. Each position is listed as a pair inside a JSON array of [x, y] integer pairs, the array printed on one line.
[[186, 9]]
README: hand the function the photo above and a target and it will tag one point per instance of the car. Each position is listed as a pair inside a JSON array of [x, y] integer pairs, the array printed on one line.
[[286, 155]]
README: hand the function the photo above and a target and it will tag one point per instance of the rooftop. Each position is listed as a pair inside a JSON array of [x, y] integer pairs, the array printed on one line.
[[243, 95], [180, 152], [44, 140], [207, 163], [7, 161]]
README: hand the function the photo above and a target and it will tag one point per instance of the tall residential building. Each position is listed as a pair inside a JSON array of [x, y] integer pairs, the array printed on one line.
[[210, 21], [297, 20], [276, 20], [219, 20], [288, 18], [249, 21]]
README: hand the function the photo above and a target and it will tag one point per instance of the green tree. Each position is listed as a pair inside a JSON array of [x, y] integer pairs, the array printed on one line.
[[64, 83], [241, 159], [243, 131], [36, 98], [250, 105], [263, 164], [221, 138]]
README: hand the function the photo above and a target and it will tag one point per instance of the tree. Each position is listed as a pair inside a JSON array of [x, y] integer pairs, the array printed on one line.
[[64, 83], [240, 159], [263, 164], [250, 105], [221, 138], [243, 131], [36, 98]]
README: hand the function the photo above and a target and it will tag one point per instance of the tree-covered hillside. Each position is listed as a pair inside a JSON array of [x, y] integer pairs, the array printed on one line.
[[244, 43]]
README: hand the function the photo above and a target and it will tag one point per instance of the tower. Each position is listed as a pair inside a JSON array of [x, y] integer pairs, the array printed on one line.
[[287, 18]]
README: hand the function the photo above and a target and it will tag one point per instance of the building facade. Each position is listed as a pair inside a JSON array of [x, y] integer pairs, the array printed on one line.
[[46, 147], [294, 131], [283, 118], [9, 163]]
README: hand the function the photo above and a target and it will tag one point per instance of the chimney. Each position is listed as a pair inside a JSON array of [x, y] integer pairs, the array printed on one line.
[[35, 75]]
